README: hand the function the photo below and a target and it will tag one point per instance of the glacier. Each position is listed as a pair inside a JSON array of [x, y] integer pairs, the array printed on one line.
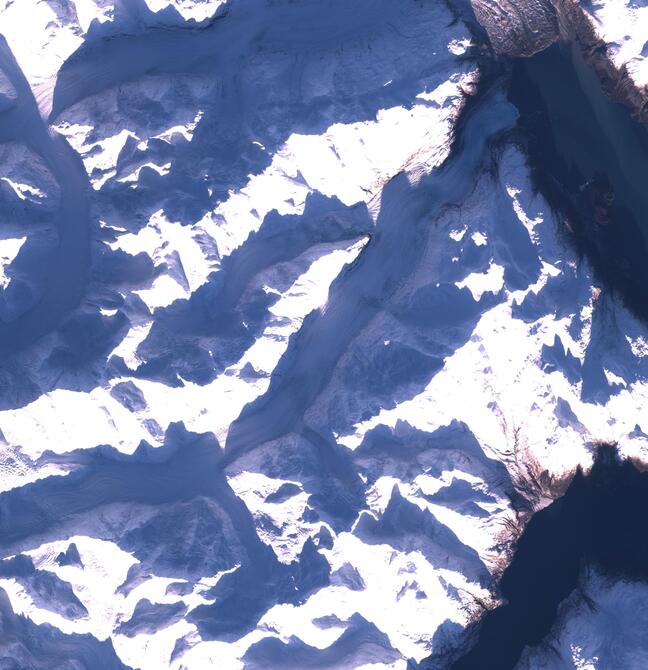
[[292, 345]]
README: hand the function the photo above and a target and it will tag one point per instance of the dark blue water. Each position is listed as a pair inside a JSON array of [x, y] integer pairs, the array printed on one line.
[[590, 161], [600, 521]]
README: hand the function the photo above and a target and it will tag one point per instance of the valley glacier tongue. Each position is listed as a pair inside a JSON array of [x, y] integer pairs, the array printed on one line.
[[325, 333]]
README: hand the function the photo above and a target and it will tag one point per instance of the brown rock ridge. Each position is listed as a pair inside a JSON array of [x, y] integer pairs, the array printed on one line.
[[522, 29], [518, 28], [576, 26]]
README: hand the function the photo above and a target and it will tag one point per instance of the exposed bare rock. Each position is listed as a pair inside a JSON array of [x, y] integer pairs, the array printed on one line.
[[518, 28], [578, 26], [525, 28]]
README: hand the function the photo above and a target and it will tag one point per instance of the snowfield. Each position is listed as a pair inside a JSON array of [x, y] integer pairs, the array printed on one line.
[[622, 26], [278, 337]]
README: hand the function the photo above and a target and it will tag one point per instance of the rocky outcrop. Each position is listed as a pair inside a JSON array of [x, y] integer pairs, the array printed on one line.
[[576, 26], [518, 28], [523, 29]]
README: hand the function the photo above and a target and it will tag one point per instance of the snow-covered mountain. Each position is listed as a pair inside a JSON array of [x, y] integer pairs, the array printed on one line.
[[288, 339]]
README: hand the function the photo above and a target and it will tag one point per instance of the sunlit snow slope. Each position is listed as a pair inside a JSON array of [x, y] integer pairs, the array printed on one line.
[[278, 341]]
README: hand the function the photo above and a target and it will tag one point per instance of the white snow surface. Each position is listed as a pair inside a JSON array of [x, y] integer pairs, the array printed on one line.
[[275, 430], [623, 26]]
